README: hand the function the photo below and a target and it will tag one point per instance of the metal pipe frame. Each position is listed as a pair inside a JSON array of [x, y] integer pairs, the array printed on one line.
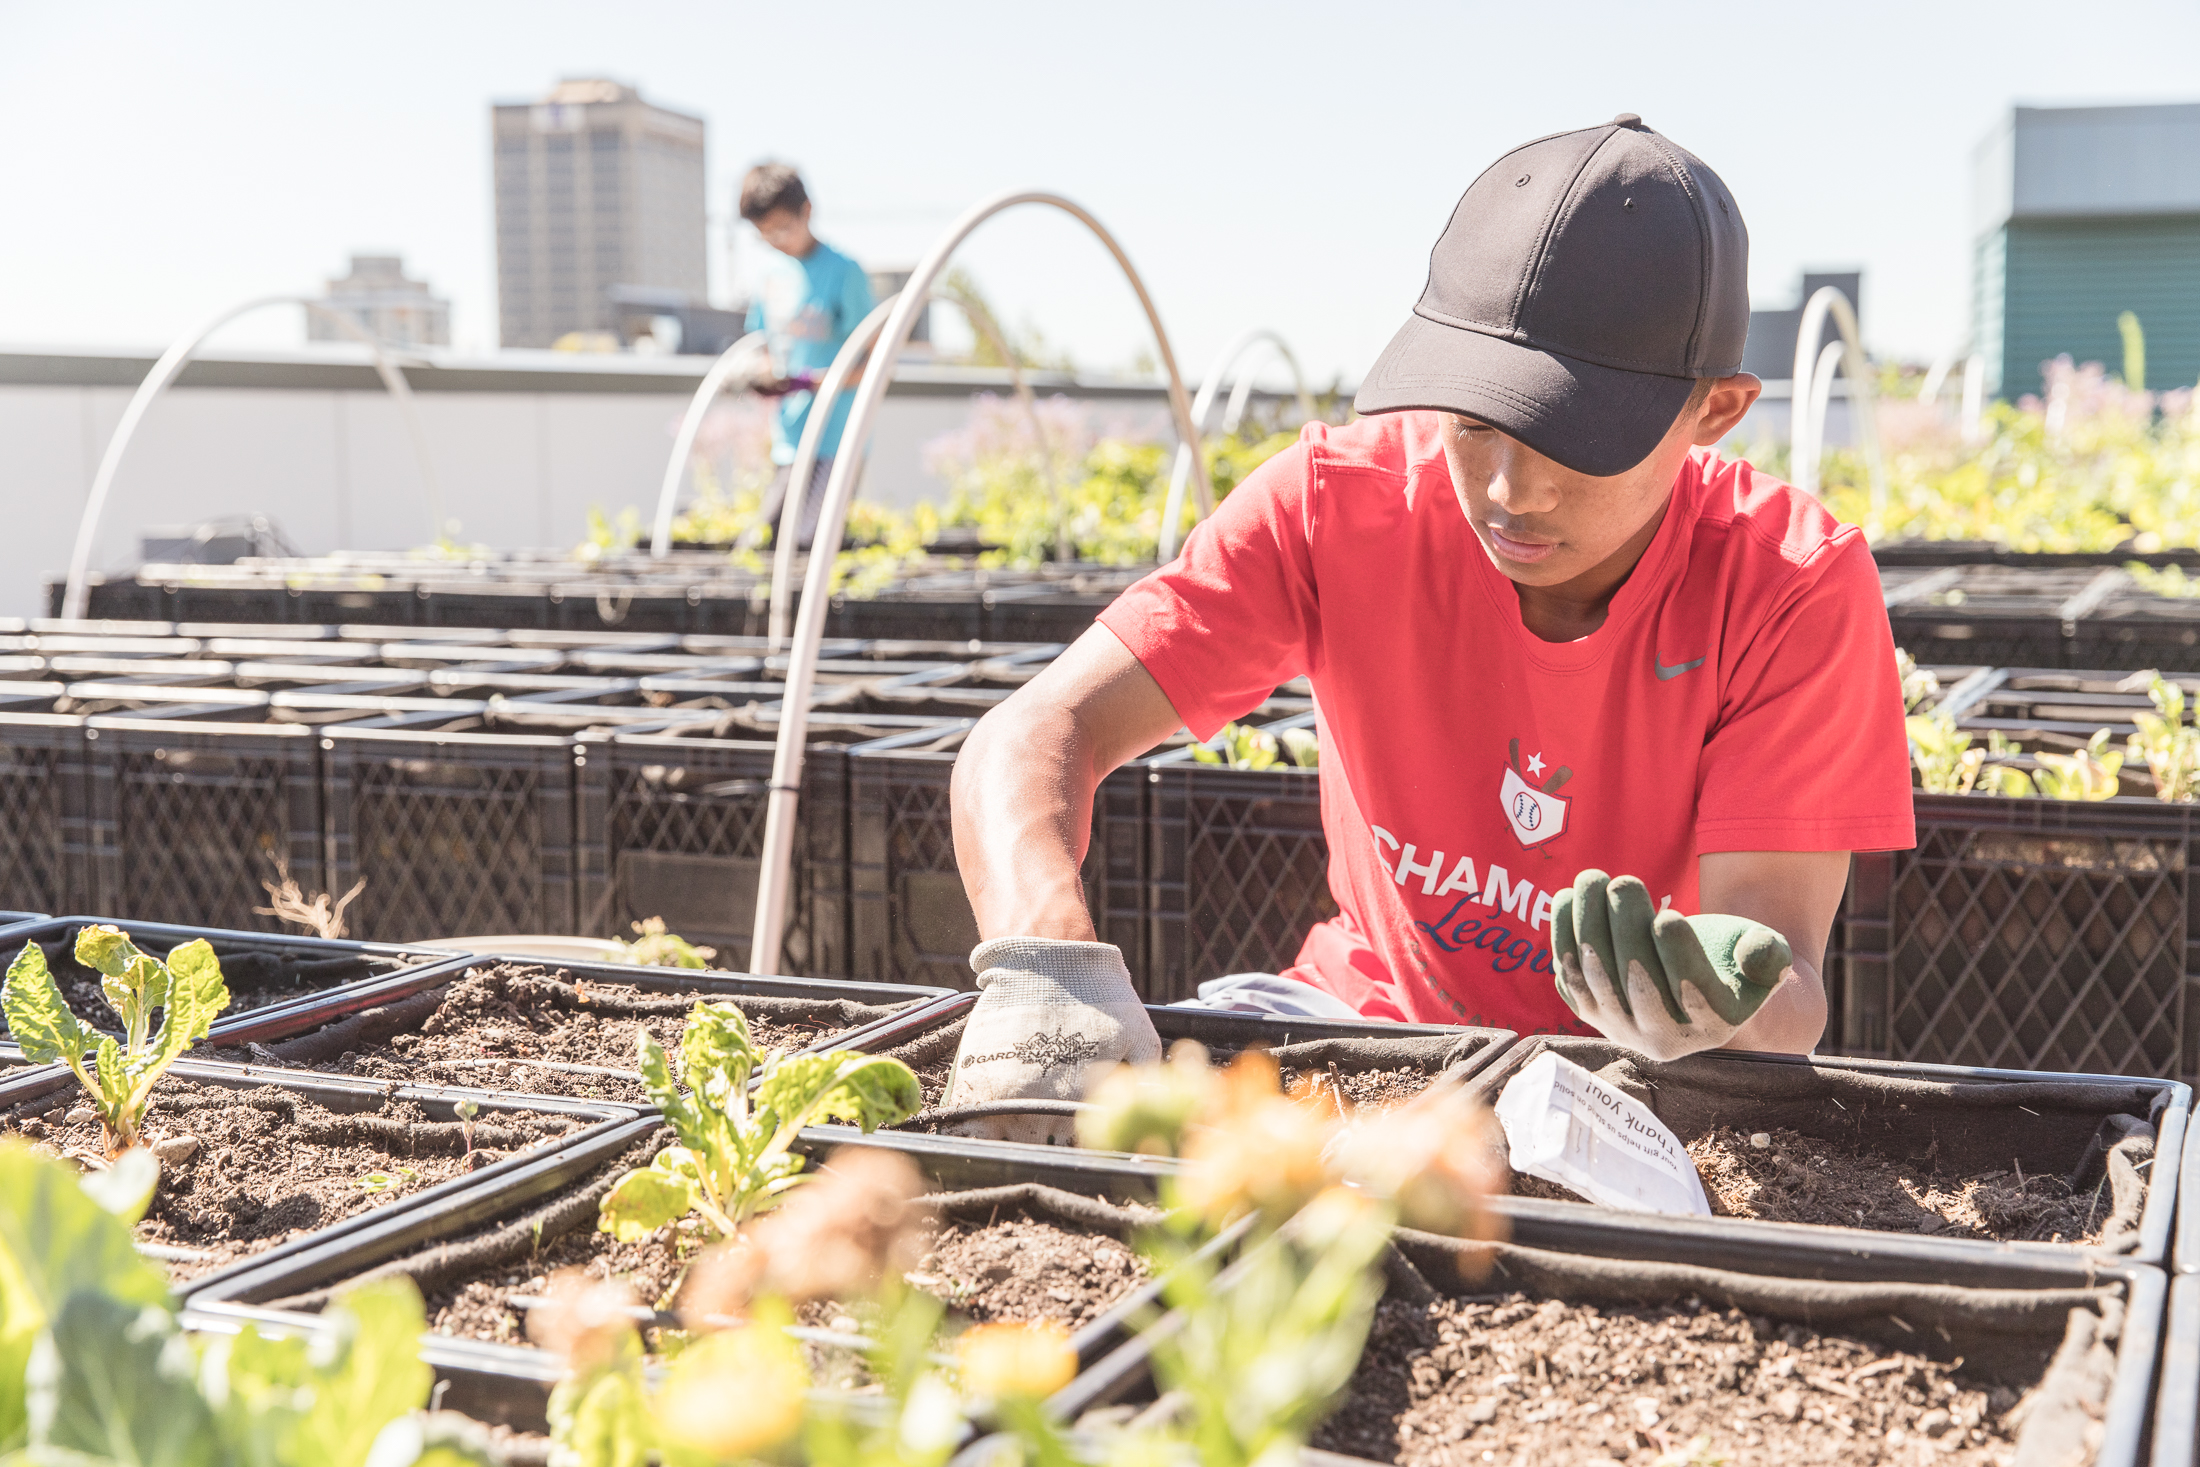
[[786, 783], [171, 364], [734, 358], [1226, 361], [1807, 407]]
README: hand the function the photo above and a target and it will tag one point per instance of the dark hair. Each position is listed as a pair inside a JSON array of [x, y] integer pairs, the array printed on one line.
[[771, 186], [1698, 393]]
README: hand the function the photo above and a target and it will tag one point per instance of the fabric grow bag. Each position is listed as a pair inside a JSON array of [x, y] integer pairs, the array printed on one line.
[[268, 974], [596, 1120], [2097, 1131], [482, 1229], [2095, 1326]]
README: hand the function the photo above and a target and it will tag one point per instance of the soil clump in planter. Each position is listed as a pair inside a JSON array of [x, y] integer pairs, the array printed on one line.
[[1507, 1379], [243, 1171], [254, 979], [1803, 1179], [1020, 1265], [512, 1026]]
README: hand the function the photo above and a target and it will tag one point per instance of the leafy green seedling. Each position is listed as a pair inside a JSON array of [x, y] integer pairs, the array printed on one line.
[[117, 1076], [733, 1160], [1241, 747], [2088, 774], [467, 1110], [388, 1181], [654, 947], [2167, 741]]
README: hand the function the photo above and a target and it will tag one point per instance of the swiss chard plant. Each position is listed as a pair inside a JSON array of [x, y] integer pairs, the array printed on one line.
[[95, 1367], [734, 1156], [2168, 741], [118, 1075]]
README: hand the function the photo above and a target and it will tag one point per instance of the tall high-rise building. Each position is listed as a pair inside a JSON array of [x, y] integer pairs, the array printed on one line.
[[595, 188], [387, 305]]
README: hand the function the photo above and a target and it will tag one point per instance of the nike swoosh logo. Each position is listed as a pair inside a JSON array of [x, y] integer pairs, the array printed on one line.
[[1667, 674]]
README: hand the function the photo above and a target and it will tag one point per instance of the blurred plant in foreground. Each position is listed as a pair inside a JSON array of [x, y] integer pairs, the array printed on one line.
[[1266, 1350]]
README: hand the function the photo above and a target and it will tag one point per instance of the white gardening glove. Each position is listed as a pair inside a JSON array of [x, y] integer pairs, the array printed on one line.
[[1048, 1012], [1656, 982]]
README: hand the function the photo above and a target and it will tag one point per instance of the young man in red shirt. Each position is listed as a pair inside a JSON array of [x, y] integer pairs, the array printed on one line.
[[1551, 634]]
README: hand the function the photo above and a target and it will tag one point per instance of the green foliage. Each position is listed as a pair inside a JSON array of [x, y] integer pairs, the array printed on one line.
[[2088, 774], [2135, 351], [1241, 746], [1261, 1362], [2094, 464], [1948, 765], [653, 946], [2167, 742], [1918, 685], [119, 1079], [733, 1157], [96, 1369]]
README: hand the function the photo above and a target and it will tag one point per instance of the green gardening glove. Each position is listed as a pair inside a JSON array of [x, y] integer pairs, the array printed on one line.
[[1659, 983]]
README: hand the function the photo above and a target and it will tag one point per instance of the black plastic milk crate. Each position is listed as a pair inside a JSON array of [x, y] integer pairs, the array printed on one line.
[[456, 834], [1237, 872], [2027, 934], [191, 817], [45, 813], [673, 827], [911, 920], [1991, 615]]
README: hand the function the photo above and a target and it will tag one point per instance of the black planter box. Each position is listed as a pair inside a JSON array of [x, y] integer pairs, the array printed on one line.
[[305, 1017], [2176, 1423], [2027, 934], [45, 812], [342, 1095], [511, 1384], [1455, 1053], [192, 816], [1737, 1088], [455, 833], [1237, 871], [314, 970], [1702, 1268], [910, 918]]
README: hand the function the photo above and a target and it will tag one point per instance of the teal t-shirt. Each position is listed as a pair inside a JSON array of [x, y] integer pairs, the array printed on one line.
[[807, 308]]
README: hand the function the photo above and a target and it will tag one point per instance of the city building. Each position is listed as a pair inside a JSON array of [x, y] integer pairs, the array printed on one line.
[[2081, 214], [386, 305], [595, 188]]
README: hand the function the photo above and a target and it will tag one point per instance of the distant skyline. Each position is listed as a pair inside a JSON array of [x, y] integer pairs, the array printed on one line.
[[1285, 165]]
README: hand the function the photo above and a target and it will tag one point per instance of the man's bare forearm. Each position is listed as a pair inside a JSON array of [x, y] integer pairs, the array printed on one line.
[[1023, 814], [1024, 783]]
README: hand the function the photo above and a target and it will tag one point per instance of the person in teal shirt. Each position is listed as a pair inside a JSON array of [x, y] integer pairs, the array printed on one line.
[[809, 301]]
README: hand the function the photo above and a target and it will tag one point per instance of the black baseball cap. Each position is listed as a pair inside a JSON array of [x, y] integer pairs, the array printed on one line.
[[1585, 282]]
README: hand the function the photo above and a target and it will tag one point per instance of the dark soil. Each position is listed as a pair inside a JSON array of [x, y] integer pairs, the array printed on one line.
[[1028, 1268], [504, 1026], [1375, 1090], [1020, 1268], [1803, 1179], [255, 978], [1360, 1090], [1511, 1380], [271, 1165]]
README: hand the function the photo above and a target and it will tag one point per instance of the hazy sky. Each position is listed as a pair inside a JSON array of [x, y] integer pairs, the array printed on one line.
[[1285, 165]]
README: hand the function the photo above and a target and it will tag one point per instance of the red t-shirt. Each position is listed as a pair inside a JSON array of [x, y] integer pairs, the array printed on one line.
[[1740, 696]]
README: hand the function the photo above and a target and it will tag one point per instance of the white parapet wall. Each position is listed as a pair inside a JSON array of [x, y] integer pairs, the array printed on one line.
[[524, 444]]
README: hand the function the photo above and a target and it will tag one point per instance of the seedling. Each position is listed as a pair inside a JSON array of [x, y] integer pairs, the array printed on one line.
[[654, 947], [2170, 745], [404, 1176], [467, 1110], [2088, 774], [733, 1159], [118, 1077]]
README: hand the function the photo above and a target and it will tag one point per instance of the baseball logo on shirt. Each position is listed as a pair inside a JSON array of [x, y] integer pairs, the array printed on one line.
[[1536, 814]]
